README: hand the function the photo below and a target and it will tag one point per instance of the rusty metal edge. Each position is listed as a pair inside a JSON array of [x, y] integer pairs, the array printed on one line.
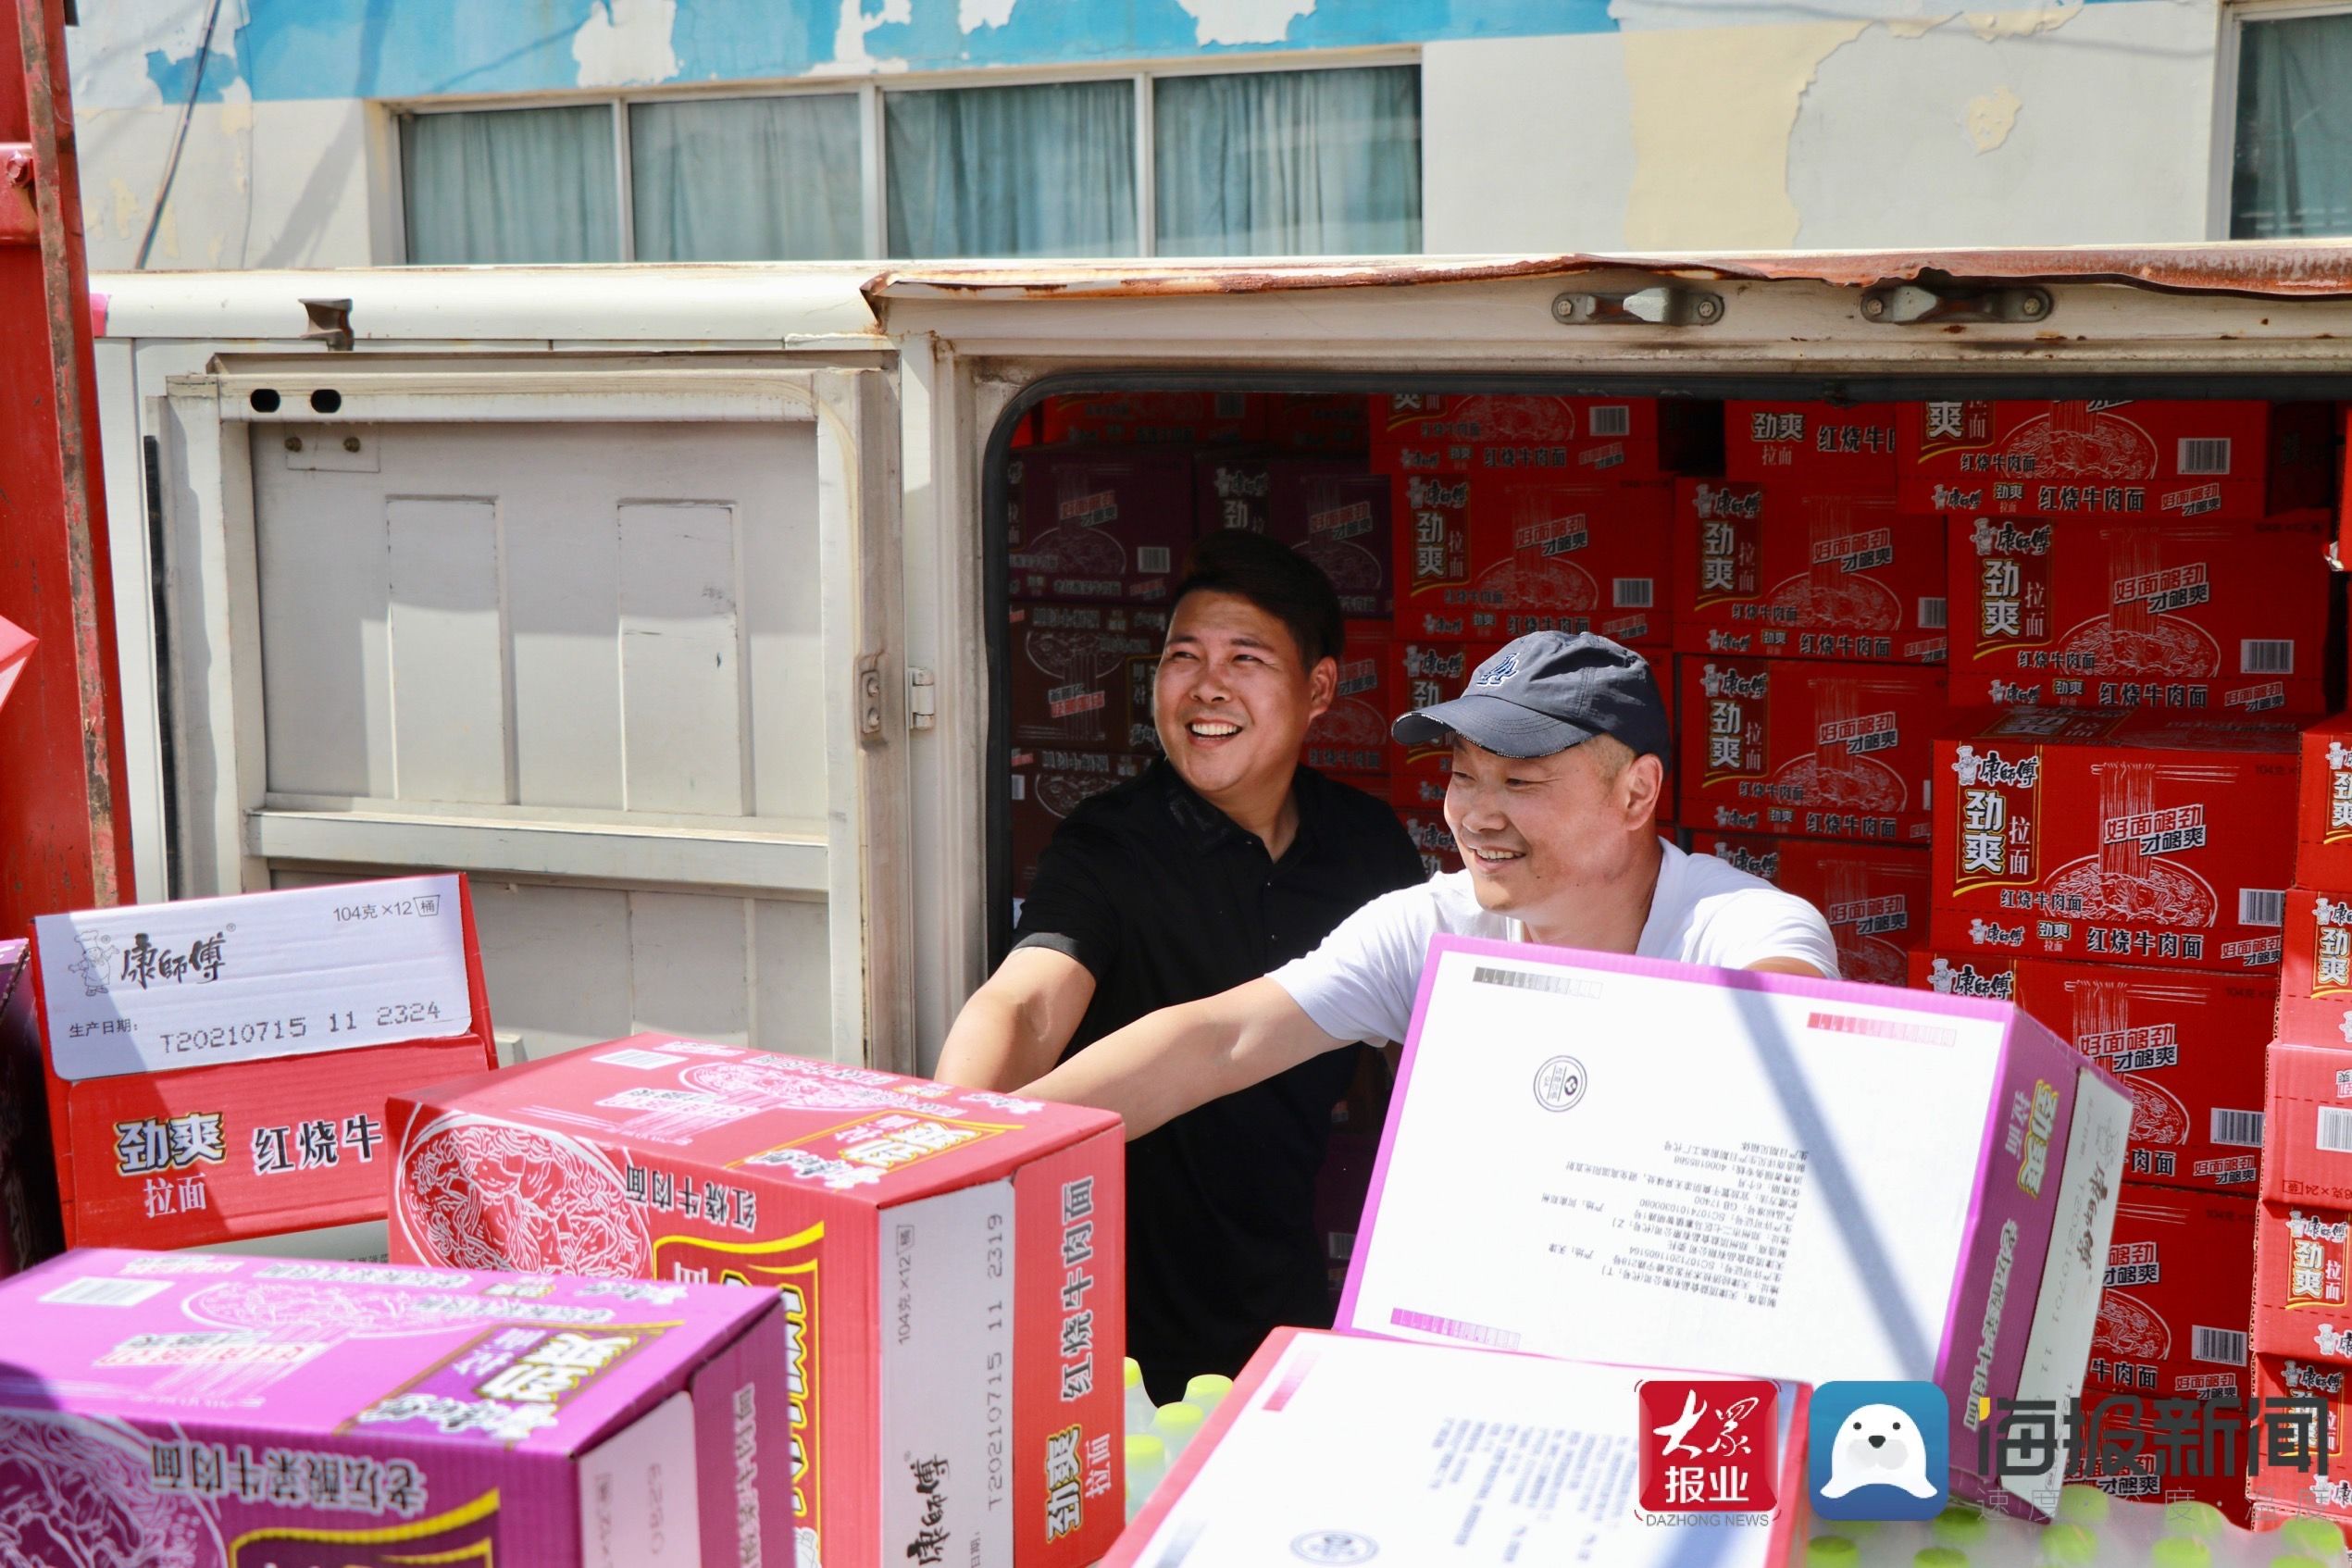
[[65, 292], [2246, 268]]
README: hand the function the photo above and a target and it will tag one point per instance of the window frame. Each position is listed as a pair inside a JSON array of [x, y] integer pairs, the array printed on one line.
[[873, 169], [2227, 54]]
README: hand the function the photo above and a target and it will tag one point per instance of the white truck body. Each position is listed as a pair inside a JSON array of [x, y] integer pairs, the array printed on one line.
[[656, 599]]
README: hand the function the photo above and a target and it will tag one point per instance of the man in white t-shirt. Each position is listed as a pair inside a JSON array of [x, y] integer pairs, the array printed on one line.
[[1558, 763]]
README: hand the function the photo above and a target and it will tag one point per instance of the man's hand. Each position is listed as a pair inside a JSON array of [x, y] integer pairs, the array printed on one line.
[[1166, 1063], [1014, 1026]]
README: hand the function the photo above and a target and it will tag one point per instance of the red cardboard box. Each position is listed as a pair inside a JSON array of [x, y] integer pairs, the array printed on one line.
[[2307, 1125], [1568, 439], [1093, 523], [1082, 676], [1482, 558], [1438, 672], [951, 1262], [1334, 514], [2170, 459], [2323, 806], [1338, 424], [217, 1068], [1352, 739], [1825, 751], [2310, 1487], [1149, 418], [1820, 447], [2171, 1315], [2315, 970], [1772, 571], [1048, 784], [1426, 827], [2189, 1046], [1874, 896], [2204, 614], [1427, 673], [2303, 1283], [2127, 837]]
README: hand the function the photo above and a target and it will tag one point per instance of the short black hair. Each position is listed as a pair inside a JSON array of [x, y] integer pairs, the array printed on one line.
[[1276, 579]]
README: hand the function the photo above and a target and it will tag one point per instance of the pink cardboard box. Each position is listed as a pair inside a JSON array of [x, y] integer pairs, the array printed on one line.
[[1340, 1448], [950, 1263], [211, 1412], [1893, 1185]]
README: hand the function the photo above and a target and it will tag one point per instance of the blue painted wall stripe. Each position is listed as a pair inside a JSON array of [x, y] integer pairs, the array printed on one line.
[[408, 49]]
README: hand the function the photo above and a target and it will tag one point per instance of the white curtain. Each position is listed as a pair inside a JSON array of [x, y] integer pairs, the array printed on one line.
[[511, 185], [1012, 172], [1289, 163], [746, 179], [2293, 157]]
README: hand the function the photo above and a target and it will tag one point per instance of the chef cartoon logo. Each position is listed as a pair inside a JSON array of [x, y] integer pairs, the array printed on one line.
[[1709, 1445]]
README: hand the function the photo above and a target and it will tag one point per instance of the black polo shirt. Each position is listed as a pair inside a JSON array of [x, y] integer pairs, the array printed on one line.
[[1165, 899]]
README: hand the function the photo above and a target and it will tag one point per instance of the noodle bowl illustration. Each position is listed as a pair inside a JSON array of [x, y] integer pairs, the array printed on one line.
[[479, 1194], [75, 1493]]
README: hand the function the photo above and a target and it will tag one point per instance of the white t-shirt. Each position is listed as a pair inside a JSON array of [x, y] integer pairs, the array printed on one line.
[[1361, 983]]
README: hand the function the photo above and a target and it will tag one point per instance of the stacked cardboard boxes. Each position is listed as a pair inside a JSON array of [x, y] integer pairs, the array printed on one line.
[[1809, 626], [2301, 1313], [2141, 621]]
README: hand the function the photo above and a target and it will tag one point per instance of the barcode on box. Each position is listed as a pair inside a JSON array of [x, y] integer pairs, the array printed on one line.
[[2265, 655], [1341, 1245], [1930, 614], [629, 1056], [1632, 592], [2336, 1131], [1020, 787], [1612, 419], [1152, 558], [2239, 1129], [2225, 1347], [2261, 906], [91, 1291], [2205, 455]]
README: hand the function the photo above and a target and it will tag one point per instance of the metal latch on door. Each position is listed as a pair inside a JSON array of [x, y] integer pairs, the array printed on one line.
[[922, 700]]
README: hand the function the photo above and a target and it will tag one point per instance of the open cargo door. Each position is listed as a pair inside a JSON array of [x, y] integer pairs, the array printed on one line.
[[620, 643]]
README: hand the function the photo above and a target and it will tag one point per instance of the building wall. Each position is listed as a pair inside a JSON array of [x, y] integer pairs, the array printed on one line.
[[1547, 125]]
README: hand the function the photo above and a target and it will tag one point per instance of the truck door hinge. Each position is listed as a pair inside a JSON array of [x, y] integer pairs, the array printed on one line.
[[922, 700]]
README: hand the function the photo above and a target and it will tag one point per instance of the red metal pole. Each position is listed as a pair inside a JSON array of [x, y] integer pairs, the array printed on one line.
[[65, 832]]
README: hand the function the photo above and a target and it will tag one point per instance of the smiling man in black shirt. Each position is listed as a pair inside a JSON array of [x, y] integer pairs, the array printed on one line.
[[1225, 859]]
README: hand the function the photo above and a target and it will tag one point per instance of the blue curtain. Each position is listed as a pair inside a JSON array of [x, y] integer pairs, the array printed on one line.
[[511, 185], [1012, 172], [2292, 173], [1289, 163], [747, 178]]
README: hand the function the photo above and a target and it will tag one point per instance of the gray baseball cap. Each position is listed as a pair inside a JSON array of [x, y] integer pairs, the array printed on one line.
[[1546, 692]]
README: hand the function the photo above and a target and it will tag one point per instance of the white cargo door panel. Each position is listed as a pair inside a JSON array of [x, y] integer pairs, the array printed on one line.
[[613, 642]]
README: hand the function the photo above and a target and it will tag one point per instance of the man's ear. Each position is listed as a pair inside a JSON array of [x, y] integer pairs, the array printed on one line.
[[1642, 787], [1323, 687]]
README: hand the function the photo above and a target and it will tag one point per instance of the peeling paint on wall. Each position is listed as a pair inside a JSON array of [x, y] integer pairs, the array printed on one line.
[[1711, 114], [1245, 22], [1992, 117], [974, 15], [849, 54], [2023, 21], [627, 43]]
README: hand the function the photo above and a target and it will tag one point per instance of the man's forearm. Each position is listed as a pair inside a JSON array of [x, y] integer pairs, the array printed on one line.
[[1166, 1063], [1151, 1072], [983, 1050]]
